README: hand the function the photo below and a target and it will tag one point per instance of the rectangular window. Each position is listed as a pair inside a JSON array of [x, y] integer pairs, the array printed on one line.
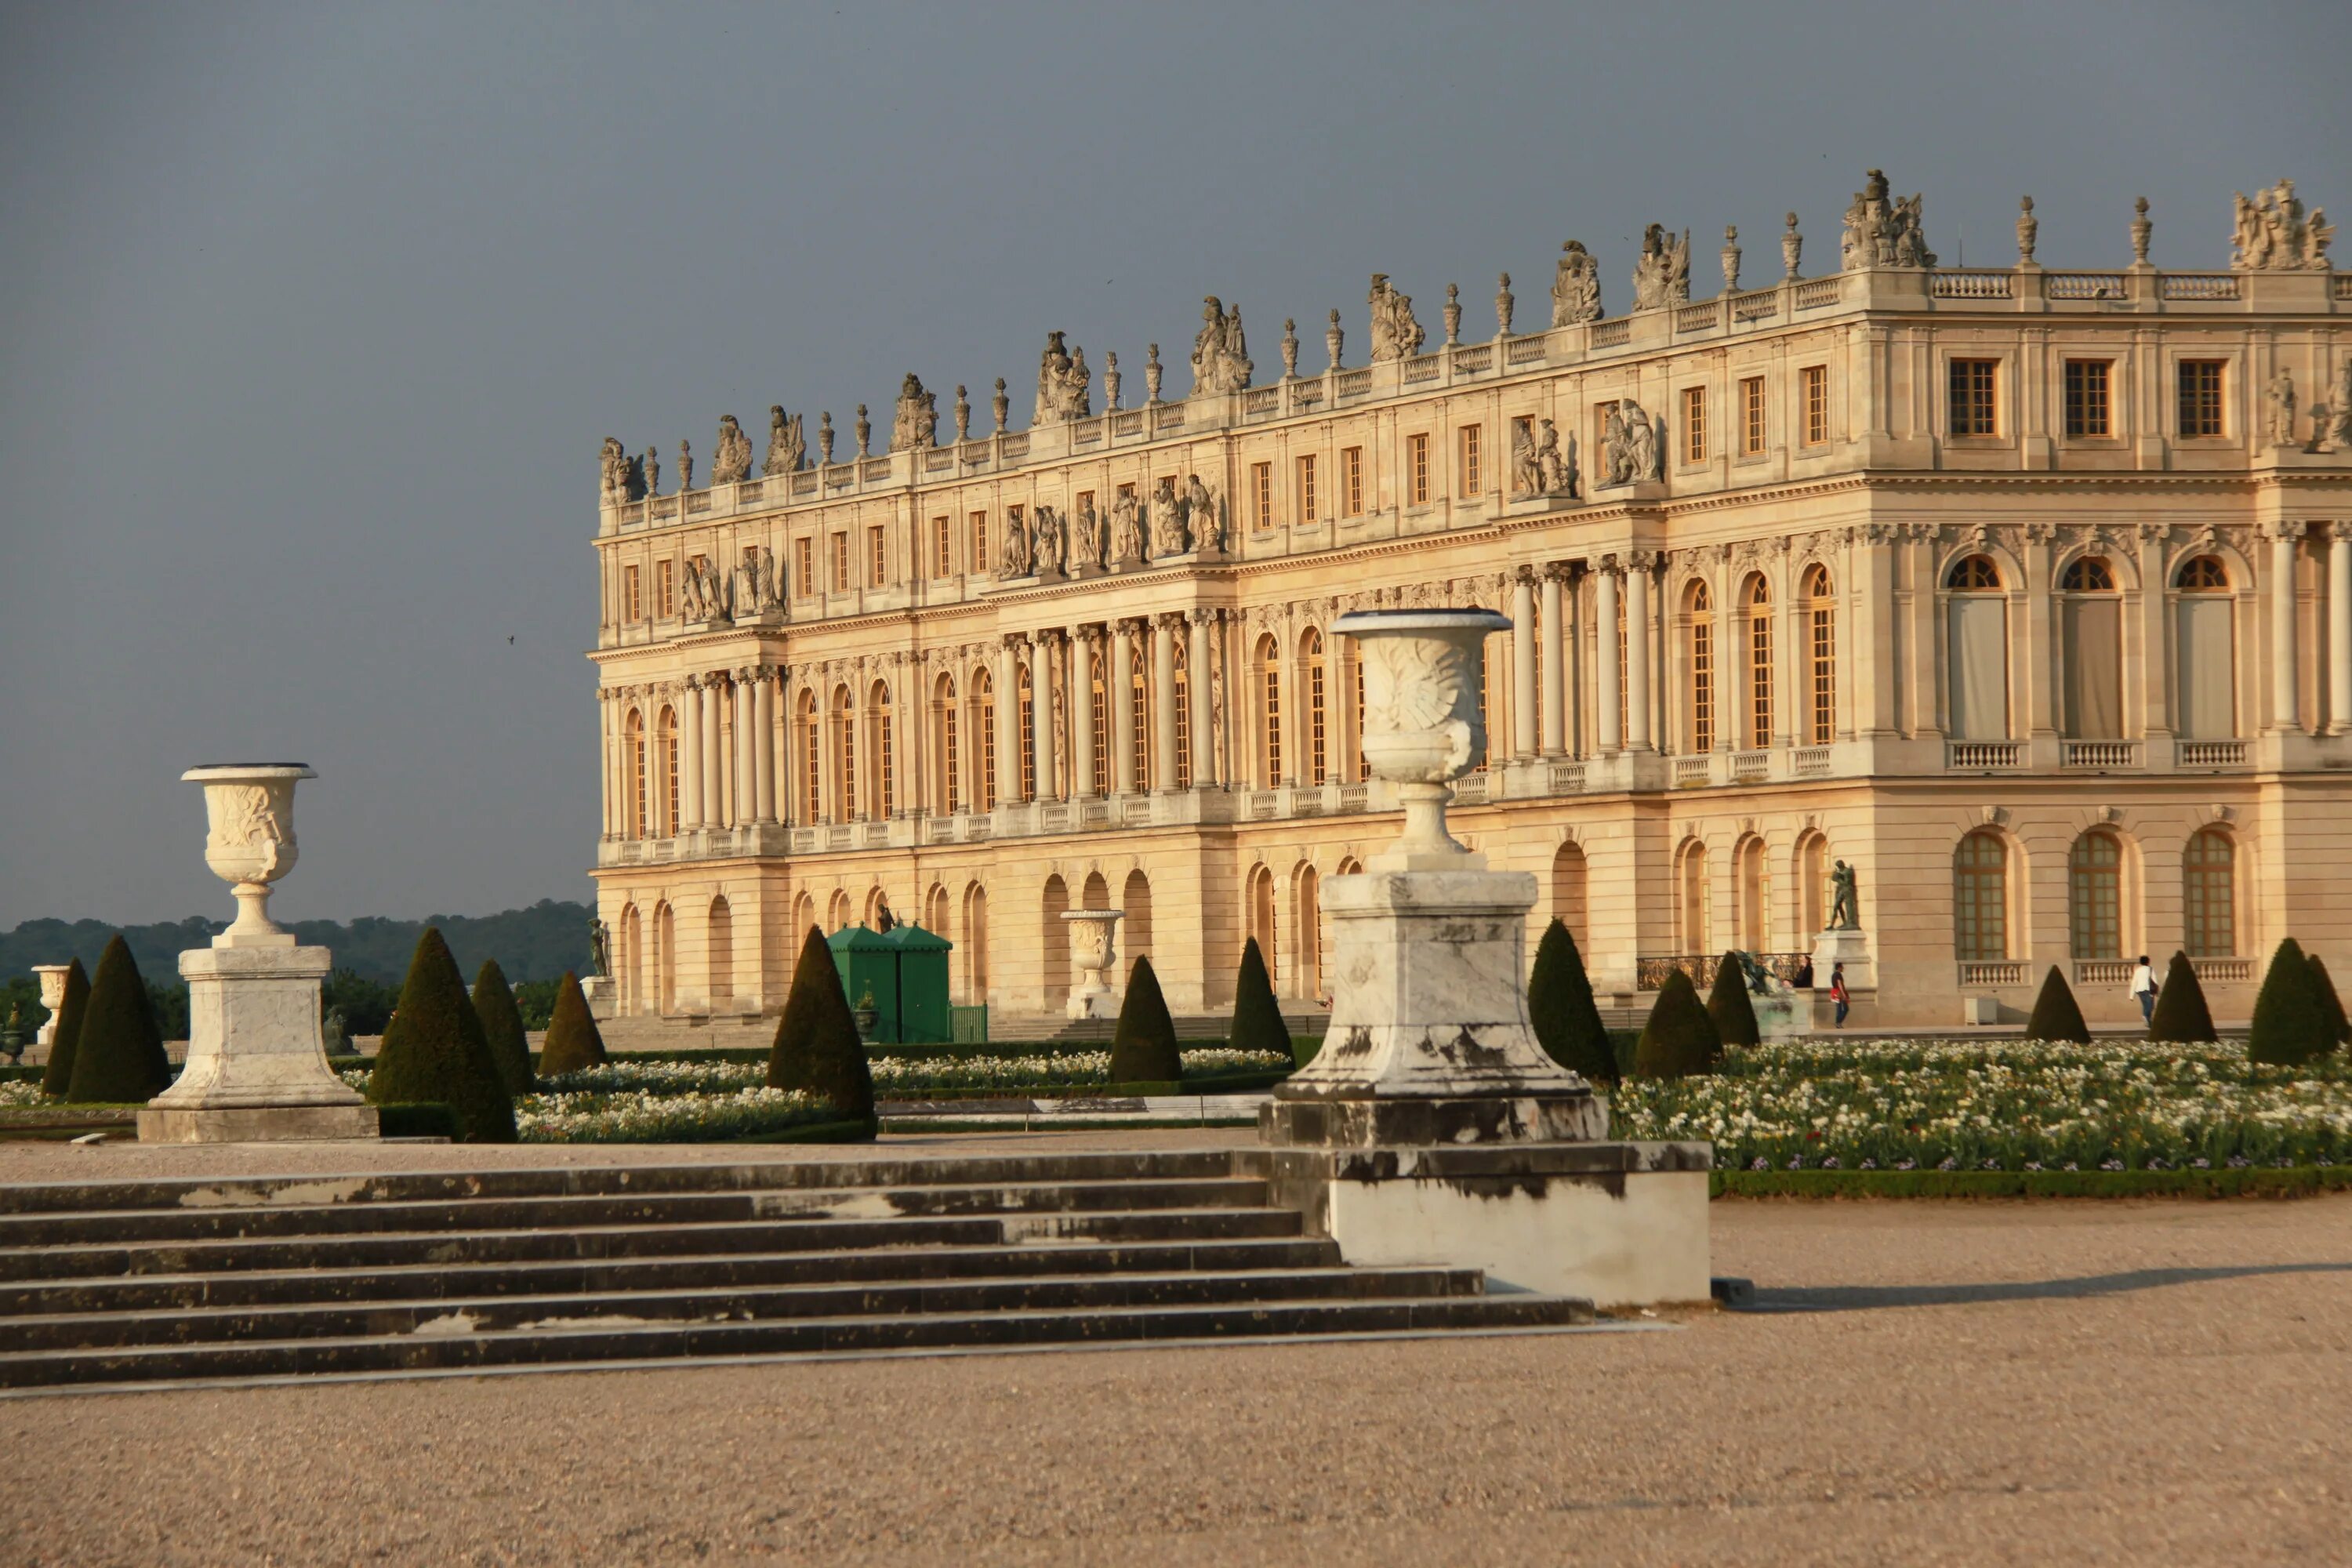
[[1351, 480], [1972, 397], [1751, 416], [1825, 673], [976, 550], [1416, 467], [878, 558], [1693, 424], [2201, 397], [665, 589], [1310, 504], [1262, 495], [942, 549], [1759, 677], [841, 563], [804, 566], [2086, 399], [1472, 475], [1817, 403], [633, 598]]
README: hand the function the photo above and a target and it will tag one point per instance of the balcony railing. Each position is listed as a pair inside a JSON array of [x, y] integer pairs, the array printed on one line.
[[2209, 754], [2104, 971], [1991, 972], [2101, 755], [1691, 772], [1976, 755], [2223, 969], [1649, 973]]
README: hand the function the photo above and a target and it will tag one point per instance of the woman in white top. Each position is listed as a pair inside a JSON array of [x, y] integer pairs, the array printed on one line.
[[2143, 989]]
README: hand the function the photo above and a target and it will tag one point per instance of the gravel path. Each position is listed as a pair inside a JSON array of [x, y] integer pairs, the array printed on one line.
[[1987, 1383]]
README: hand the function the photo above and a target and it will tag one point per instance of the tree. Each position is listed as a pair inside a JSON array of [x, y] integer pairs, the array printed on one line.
[[2055, 1014], [1561, 1008], [367, 1006], [1679, 1040], [817, 1049], [119, 1056], [1728, 1005], [2334, 1003], [2291, 1019], [1257, 1017], [494, 1004], [1143, 1045], [2181, 1014], [58, 1078], [434, 1050], [572, 1041]]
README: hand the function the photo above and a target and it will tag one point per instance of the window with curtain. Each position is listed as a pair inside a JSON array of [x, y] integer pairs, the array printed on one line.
[[2094, 896], [1981, 898], [2091, 648], [2206, 651], [1977, 668], [2209, 890]]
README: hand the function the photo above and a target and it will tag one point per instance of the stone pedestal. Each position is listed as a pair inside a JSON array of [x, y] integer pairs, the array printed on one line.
[[1851, 948], [602, 994], [256, 1058], [1782, 1015]]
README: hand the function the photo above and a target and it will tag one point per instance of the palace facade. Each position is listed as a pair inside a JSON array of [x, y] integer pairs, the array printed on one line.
[[2027, 592]]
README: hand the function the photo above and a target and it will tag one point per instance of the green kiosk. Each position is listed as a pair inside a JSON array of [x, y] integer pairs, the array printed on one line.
[[902, 974]]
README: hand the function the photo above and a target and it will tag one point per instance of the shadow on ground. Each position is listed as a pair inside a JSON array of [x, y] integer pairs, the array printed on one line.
[[1862, 1298]]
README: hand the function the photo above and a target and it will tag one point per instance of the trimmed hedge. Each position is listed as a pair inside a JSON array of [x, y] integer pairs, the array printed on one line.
[[431, 1120], [434, 1050], [1679, 1040], [1727, 1005], [2296, 1180], [1144, 1044], [2333, 1003], [494, 1004], [1258, 1017], [118, 1059], [2182, 1016], [1560, 1007], [572, 1041], [816, 1048], [2056, 1015], [57, 1077], [2292, 1025]]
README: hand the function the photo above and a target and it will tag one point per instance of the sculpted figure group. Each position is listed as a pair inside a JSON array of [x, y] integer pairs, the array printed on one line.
[[1662, 273], [2270, 234], [1395, 334], [1633, 446], [1880, 232], [1538, 465], [916, 422], [731, 462], [1221, 362], [1064, 383], [1575, 287]]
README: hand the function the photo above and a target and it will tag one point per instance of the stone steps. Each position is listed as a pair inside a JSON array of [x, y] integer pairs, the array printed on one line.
[[129, 1282]]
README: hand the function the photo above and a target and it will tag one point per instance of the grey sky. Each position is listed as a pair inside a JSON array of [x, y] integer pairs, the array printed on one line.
[[311, 317]]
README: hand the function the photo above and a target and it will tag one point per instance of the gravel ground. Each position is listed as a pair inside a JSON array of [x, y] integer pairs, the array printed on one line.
[[1985, 1383]]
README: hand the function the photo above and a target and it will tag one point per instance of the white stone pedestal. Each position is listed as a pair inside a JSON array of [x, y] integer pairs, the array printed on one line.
[[257, 1056], [602, 994], [1851, 948], [1782, 1015]]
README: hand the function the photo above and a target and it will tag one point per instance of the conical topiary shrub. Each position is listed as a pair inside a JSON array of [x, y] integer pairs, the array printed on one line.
[[119, 1058], [494, 1004], [434, 1051], [1258, 1017], [1727, 1005], [1144, 1046], [2291, 1021], [1679, 1040], [2055, 1014], [572, 1040], [2334, 1003], [2181, 1015], [1560, 1006], [59, 1078], [817, 1049]]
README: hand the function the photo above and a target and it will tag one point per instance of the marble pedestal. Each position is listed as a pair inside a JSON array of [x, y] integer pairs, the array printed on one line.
[[1782, 1015], [1851, 948], [256, 1063], [602, 994]]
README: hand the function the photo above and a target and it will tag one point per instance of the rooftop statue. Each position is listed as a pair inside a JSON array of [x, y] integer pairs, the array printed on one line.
[[1880, 232], [787, 451], [1063, 385], [2270, 234], [731, 462], [1221, 362], [1395, 334], [1662, 274], [1575, 286], [916, 421]]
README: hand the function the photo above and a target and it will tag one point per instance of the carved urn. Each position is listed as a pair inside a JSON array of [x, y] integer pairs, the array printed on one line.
[[1091, 948], [250, 844], [52, 977], [1424, 725]]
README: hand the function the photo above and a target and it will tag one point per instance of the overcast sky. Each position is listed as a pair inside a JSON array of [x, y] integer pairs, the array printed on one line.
[[311, 317]]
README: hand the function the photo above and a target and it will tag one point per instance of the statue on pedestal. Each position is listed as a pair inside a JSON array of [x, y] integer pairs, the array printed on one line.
[[730, 464], [1395, 334], [916, 422], [787, 451], [1845, 898], [1221, 362], [1662, 273]]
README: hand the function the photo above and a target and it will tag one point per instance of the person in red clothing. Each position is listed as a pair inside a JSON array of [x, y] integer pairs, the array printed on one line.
[[1838, 993]]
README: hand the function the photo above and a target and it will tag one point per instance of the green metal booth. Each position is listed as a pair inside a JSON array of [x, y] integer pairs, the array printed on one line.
[[903, 971]]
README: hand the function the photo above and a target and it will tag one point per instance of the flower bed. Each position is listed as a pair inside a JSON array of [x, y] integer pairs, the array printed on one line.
[[895, 1078], [1962, 1105]]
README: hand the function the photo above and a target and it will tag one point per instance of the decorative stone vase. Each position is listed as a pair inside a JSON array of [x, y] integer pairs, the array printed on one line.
[[250, 806], [1092, 949], [53, 993]]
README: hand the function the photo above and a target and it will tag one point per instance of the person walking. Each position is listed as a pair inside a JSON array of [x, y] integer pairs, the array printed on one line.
[[1838, 993], [2143, 990]]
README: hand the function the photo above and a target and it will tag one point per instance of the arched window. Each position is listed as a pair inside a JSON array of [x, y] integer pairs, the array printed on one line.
[[1981, 898], [1096, 893], [1135, 898], [1259, 903], [1812, 886], [1269, 707], [878, 746], [804, 920], [721, 955], [1759, 661], [1025, 694], [1754, 897], [2094, 895], [2091, 644], [844, 756], [935, 911], [1310, 667], [1098, 721], [1054, 942], [2209, 894], [668, 738], [1139, 709], [1568, 889], [633, 976], [1183, 700], [947, 756], [1977, 669], [1696, 915], [1821, 655], [1699, 607], [975, 945], [1306, 918], [632, 787], [837, 914], [811, 749], [983, 735], [2206, 651], [876, 902], [665, 958]]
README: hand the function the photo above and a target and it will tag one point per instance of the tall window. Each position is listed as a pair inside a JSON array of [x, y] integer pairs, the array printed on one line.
[[1025, 692], [1183, 700], [878, 558], [1310, 662], [1978, 661], [1980, 899], [1139, 710], [633, 753], [976, 556], [2209, 902], [1309, 502], [1262, 495], [1817, 403], [1693, 424], [804, 566], [2200, 396], [983, 735], [665, 589], [1472, 472], [942, 552], [2091, 650], [633, 598], [841, 562], [948, 789], [2094, 896], [1269, 707], [1754, 897], [1098, 721], [1751, 416], [668, 734], [2207, 659], [1702, 669], [2087, 414], [880, 746], [1351, 480], [1760, 662], [1971, 398], [845, 754], [1356, 680], [1696, 917], [812, 748], [1821, 628], [1416, 467]]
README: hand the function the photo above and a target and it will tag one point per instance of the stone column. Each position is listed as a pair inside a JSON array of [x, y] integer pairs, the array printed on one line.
[[763, 744], [713, 780], [1081, 688], [1637, 652], [1523, 664], [2285, 707], [690, 756], [1121, 702], [1163, 699], [1196, 692], [1554, 736], [2339, 629], [747, 749], [1605, 666], [1041, 711], [1008, 720]]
